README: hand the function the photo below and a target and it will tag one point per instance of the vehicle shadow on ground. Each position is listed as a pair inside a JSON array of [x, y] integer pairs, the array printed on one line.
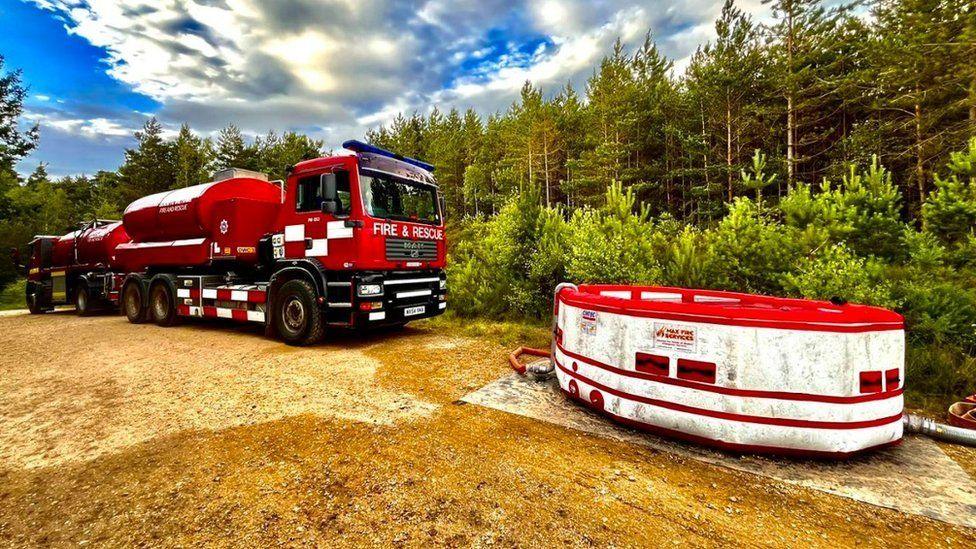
[[347, 338]]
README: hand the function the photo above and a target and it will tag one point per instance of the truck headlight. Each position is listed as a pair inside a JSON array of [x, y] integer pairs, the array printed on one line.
[[366, 290], [443, 283]]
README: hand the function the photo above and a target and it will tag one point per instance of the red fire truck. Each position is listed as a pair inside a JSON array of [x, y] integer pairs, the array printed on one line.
[[346, 241]]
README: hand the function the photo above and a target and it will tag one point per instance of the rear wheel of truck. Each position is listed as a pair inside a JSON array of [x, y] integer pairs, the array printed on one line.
[[83, 304], [132, 303], [297, 318], [162, 305]]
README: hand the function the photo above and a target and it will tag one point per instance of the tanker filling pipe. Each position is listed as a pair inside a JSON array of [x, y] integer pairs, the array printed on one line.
[[539, 370], [946, 433]]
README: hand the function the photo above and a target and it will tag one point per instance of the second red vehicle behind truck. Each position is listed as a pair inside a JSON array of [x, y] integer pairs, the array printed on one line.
[[346, 241]]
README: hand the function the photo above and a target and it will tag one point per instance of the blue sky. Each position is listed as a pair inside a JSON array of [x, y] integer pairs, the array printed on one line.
[[333, 68]]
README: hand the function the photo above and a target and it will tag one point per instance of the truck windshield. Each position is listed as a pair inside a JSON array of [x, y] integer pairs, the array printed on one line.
[[390, 197]]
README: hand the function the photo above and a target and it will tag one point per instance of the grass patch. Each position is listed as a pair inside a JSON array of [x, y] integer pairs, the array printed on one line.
[[12, 297], [506, 332], [936, 376]]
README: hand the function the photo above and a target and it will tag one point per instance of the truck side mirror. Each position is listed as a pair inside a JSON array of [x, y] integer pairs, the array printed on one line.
[[15, 259], [329, 197], [330, 190]]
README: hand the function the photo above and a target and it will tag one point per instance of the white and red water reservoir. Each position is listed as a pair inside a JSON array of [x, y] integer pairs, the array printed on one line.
[[740, 372]]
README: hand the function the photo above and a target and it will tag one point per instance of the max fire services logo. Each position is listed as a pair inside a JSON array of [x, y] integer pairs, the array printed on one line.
[[675, 336], [224, 226]]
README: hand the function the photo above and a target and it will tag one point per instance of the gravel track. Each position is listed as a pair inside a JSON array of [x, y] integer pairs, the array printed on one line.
[[208, 433]]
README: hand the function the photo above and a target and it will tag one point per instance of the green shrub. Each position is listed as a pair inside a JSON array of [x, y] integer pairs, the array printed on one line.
[[752, 250], [938, 375], [863, 212], [924, 250], [12, 296], [949, 212], [691, 260], [474, 288], [938, 311], [834, 271], [613, 244]]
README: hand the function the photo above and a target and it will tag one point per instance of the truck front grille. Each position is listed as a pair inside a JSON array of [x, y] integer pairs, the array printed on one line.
[[410, 250]]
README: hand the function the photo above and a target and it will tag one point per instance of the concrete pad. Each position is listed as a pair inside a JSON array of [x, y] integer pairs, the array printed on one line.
[[915, 477]]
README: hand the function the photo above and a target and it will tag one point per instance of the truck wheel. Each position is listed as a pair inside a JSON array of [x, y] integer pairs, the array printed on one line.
[[162, 305], [33, 304], [83, 305], [296, 314], [132, 303]]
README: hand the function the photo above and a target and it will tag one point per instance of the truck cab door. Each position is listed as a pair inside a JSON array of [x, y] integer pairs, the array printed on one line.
[[308, 229]]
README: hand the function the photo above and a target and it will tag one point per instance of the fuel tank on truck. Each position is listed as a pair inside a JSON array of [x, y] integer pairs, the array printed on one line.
[[188, 213], [220, 220], [92, 245], [96, 245]]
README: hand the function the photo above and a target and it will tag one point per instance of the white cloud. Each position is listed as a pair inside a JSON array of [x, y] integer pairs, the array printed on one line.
[[336, 67], [90, 128]]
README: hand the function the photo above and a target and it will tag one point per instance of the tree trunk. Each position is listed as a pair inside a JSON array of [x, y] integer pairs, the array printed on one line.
[[708, 184], [728, 141], [790, 115], [790, 154], [545, 166], [919, 162]]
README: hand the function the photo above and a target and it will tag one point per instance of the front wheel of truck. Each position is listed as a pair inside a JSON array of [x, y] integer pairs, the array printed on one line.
[[297, 317], [34, 304]]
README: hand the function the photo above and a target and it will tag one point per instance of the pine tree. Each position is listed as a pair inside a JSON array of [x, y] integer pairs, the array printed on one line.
[[232, 150], [803, 41], [924, 73], [149, 168], [14, 143], [192, 158], [728, 80]]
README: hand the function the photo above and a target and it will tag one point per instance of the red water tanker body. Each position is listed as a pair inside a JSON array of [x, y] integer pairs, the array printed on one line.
[[191, 226], [354, 240], [190, 212], [96, 245], [65, 268]]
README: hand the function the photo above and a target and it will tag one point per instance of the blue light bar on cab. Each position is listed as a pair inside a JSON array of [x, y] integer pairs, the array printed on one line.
[[360, 147]]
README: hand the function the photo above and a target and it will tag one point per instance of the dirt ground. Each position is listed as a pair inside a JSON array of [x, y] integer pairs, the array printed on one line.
[[119, 434]]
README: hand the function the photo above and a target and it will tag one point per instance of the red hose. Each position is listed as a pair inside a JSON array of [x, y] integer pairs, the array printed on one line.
[[517, 365]]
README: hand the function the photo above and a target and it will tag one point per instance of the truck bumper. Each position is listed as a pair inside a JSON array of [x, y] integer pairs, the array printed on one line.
[[402, 297], [400, 314]]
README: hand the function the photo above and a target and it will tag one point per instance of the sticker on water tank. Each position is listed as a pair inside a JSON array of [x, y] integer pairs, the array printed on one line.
[[676, 337], [588, 322]]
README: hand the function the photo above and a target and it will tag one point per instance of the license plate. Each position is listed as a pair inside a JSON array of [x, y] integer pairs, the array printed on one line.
[[411, 311]]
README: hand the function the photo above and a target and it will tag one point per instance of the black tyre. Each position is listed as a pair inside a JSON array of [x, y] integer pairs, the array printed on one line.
[[34, 304], [162, 305], [297, 318], [132, 303], [83, 304]]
